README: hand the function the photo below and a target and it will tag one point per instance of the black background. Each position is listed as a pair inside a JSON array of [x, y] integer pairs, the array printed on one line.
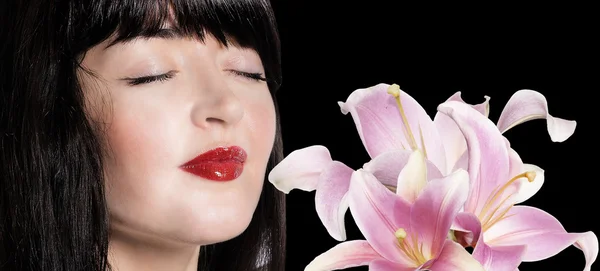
[[433, 52]]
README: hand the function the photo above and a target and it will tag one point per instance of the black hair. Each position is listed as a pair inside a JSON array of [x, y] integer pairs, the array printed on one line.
[[53, 214]]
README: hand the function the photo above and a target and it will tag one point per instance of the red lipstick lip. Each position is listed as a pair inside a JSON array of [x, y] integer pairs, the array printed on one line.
[[218, 164]]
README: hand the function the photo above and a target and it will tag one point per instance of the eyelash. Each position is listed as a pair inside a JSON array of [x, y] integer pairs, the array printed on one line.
[[250, 75], [150, 78], [166, 76]]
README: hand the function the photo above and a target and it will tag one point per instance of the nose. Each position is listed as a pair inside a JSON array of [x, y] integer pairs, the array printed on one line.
[[217, 105]]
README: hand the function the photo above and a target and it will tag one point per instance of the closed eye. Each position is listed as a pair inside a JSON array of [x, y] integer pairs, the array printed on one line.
[[250, 75], [135, 81], [149, 78]]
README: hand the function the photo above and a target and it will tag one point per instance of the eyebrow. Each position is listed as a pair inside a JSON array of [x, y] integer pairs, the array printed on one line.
[[163, 33]]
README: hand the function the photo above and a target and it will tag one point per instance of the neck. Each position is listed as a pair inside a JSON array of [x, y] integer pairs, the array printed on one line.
[[129, 252]]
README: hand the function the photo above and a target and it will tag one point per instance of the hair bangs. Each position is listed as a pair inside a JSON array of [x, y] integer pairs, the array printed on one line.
[[243, 23]]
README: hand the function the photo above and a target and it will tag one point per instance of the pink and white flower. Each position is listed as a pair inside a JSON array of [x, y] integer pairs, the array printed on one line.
[[501, 233], [401, 235]]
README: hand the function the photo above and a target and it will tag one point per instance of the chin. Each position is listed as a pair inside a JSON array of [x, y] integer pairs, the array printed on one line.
[[213, 228]]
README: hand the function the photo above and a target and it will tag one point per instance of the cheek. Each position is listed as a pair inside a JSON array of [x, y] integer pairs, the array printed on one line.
[[139, 139], [141, 157], [261, 131]]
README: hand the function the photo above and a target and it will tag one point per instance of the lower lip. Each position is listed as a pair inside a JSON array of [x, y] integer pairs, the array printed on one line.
[[220, 164], [217, 170]]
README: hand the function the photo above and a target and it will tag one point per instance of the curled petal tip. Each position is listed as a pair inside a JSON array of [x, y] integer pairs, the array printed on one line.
[[525, 105], [560, 129], [588, 244], [446, 108], [343, 108]]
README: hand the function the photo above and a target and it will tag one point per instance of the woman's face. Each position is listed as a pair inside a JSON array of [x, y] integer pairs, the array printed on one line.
[[203, 98]]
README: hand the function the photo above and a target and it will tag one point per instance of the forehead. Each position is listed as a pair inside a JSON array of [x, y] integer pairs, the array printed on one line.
[[242, 23]]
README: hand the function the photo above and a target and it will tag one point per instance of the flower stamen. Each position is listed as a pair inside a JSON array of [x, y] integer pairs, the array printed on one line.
[[487, 220], [394, 90], [413, 250]]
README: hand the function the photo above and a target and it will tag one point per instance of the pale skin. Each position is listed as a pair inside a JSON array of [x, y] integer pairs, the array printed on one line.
[[160, 215]]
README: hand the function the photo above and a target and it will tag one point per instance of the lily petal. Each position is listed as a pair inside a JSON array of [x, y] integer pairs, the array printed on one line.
[[386, 167], [300, 169], [384, 265], [541, 232], [522, 189], [434, 211], [499, 258], [454, 141], [462, 162], [467, 229], [527, 105], [504, 258], [330, 199], [527, 189], [455, 258], [588, 243], [344, 255], [381, 128], [515, 163], [413, 177], [378, 213], [488, 154]]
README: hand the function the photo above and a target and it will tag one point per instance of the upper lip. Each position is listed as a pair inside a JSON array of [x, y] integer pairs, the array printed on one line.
[[221, 153]]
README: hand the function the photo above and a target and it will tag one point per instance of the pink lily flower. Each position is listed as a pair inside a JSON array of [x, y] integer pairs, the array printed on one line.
[[401, 235], [502, 234], [387, 125]]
